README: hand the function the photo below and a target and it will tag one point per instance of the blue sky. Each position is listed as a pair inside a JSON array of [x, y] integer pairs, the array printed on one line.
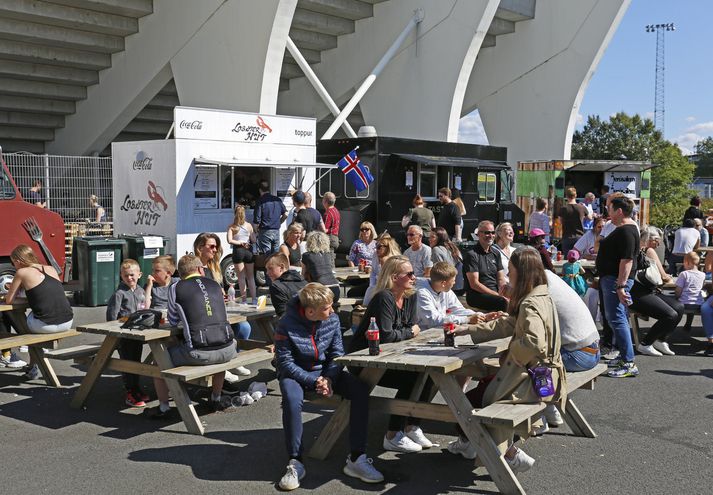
[[624, 79]]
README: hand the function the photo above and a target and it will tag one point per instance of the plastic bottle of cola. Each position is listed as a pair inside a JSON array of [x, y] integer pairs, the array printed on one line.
[[449, 326], [372, 337], [231, 293]]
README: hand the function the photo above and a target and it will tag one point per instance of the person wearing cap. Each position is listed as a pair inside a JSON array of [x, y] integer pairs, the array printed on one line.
[[572, 272], [303, 215], [537, 240]]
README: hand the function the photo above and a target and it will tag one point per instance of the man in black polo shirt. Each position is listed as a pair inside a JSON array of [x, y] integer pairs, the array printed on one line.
[[196, 302], [483, 270]]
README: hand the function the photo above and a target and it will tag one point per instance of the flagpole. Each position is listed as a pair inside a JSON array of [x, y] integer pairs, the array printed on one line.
[[328, 171]]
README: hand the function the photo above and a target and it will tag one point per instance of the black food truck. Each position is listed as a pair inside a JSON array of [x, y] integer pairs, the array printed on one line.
[[403, 168]]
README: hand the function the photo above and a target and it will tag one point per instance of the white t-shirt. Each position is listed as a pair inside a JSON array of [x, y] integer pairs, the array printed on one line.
[[577, 328], [420, 260], [685, 240], [607, 229], [585, 244], [691, 281]]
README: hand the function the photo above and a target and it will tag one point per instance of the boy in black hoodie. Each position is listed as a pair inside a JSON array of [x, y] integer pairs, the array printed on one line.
[[285, 282]]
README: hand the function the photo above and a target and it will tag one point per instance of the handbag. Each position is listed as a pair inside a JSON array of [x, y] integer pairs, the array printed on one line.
[[647, 272], [541, 373]]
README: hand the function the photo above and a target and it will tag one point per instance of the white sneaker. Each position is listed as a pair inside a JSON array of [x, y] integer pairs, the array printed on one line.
[[663, 347], [521, 462], [231, 378], [416, 434], [293, 475], [401, 443], [12, 362], [538, 431], [553, 415], [363, 469], [612, 355], [648, 350], [463, 447], [242, 370]]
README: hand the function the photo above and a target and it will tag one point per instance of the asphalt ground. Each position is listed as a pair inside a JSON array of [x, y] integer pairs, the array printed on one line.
[[655, 436]]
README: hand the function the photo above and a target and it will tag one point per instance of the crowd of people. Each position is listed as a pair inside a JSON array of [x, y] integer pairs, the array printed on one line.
[[509, 291]]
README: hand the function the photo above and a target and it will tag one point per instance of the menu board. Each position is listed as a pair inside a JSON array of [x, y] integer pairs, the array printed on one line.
[[205, 187]]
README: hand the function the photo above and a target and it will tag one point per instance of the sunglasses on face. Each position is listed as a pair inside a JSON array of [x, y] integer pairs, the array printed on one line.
[[409, 274], [211, 246], [379, 246], [364, 230], [487, 232]]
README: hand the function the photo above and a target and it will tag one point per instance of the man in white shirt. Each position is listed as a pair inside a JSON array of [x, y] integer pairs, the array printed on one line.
[[418, 253], [435, 298]]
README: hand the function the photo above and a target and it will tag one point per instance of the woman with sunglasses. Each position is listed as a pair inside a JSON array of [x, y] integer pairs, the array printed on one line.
[[533, 325], [386, 247], [394, 308], [364, 247], [207, 247]]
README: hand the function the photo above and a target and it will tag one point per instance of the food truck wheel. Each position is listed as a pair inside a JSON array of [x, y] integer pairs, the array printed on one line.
[[7, 274]]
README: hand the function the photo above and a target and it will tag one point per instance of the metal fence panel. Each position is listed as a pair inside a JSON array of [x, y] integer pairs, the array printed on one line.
[[67, 182]]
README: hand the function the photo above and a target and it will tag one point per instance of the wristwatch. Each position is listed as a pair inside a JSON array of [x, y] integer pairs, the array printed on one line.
[[621, 287]]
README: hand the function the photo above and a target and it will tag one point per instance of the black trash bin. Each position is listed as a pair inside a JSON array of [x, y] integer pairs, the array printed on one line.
[[97, 267], [136, 248]]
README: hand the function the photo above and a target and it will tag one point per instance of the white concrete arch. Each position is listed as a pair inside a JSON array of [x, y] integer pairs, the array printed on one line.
[[529, 87]]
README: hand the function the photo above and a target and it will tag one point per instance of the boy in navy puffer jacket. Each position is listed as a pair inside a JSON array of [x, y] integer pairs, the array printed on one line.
[[307, 341]]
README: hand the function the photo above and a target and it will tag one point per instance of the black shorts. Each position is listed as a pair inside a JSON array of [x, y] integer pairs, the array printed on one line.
[[242, 255]]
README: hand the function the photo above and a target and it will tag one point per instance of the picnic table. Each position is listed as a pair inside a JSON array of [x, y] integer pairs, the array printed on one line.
[[427, 356], [16, 314], [261, 318], [177, 378], [349, 273]]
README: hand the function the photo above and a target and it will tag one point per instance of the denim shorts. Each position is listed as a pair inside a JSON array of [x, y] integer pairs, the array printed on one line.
[[184, 356]]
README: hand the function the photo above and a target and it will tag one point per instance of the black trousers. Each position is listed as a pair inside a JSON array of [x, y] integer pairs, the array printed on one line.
[[666, 310], [404, 382], [486, 302], [130, 350], [607, 333]]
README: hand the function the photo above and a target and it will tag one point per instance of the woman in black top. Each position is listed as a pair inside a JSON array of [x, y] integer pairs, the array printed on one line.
[[317, 262], [694, 211], [291, 246], [394, 309]]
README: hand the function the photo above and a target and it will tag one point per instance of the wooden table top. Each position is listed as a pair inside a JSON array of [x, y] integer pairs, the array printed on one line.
[[705, 249], [18, 303], [249, 311], [426, 353], [344, 273]]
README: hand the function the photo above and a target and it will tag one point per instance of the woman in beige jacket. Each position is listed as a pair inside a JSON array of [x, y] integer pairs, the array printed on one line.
[[532, 323]]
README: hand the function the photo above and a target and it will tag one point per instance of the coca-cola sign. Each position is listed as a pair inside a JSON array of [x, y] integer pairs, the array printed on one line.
[[193, 125], [142, 161]]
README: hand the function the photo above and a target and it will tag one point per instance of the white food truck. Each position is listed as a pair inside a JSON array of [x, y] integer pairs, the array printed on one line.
[[181, 187]]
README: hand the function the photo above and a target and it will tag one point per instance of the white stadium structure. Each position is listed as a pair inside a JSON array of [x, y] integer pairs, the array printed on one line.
[[76, 75]]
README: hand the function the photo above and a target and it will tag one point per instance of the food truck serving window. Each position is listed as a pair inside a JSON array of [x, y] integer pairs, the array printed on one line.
[[487, 183], [427, 183]]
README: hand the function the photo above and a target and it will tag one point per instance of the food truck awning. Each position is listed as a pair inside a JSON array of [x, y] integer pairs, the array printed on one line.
[[452, 161], [611, 166], [234, 162]]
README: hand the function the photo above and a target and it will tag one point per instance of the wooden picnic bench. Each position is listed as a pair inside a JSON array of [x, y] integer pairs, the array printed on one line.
[[34, 341], [159, 365], [443, 364]]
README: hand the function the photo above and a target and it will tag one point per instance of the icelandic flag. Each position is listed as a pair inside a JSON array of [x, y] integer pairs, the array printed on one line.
[[357, 172]]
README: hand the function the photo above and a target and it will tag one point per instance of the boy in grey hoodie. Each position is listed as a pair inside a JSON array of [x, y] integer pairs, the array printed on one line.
[[128, 298]]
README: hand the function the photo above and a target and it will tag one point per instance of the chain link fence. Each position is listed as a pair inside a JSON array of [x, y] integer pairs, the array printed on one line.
[[67, 182]]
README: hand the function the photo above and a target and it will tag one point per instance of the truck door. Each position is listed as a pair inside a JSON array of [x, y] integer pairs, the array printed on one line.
[[487, 187]]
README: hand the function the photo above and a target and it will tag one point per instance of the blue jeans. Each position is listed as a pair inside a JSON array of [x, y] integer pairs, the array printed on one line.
[[707, 317], [241, 330], [579, 360], [268, 241], [617, 315], [346, 385]]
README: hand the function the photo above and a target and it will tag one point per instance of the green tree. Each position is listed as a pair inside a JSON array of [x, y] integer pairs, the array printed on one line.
[[633, 138], [704, 161]]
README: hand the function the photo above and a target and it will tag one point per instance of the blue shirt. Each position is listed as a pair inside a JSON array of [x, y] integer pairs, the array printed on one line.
[[268, 212]]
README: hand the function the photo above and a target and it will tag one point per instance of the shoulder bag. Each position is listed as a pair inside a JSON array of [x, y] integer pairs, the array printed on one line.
[[647, 272]]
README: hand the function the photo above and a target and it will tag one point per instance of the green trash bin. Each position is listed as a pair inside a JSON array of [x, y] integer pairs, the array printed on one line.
[[143, 248], [98, 266]]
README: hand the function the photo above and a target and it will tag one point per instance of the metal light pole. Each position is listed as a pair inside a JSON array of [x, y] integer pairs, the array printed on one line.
[[659, 91]]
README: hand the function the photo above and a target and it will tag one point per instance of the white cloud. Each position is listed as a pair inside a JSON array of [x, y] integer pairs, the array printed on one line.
[[649, 115], [579, 122], [471, 130], [690, 119], [687, 141]]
